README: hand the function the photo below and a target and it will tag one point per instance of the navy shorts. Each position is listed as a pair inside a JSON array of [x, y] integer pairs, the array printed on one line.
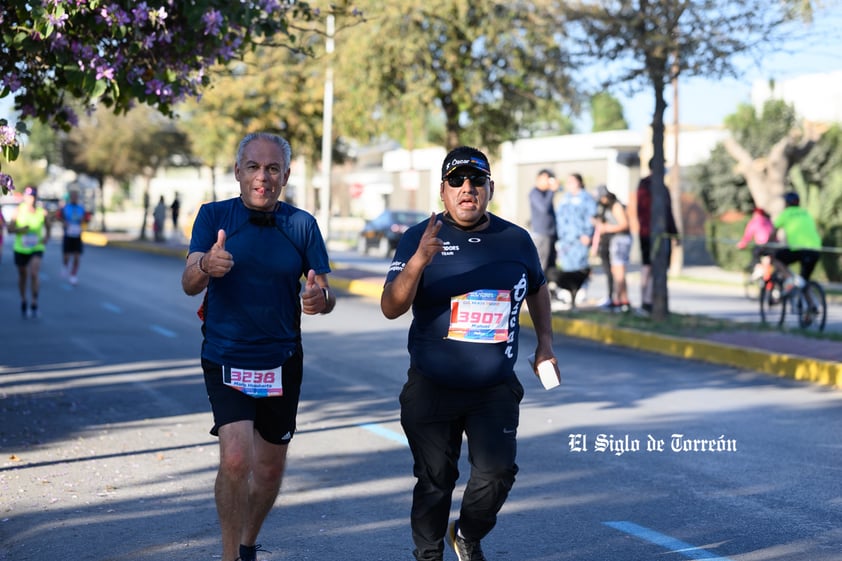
[[23, 259], [71, 245], [273, 417]]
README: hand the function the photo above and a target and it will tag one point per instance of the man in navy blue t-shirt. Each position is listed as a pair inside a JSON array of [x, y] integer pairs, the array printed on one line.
[[250, 254], [465, 274]]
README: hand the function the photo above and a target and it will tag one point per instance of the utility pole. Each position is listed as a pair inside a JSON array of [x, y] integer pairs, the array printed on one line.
[[327, 137], [677, 261]]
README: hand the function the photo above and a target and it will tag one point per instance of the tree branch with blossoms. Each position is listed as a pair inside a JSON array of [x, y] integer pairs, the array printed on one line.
[[118, 53]]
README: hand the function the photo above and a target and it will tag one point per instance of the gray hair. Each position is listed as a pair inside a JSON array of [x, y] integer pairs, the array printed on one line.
[[280, 141]]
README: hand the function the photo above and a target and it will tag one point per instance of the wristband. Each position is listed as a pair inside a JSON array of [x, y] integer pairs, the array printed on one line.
[[326, 292], [199, 265]]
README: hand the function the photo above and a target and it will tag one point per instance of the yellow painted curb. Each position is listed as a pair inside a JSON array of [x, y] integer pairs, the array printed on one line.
[[360, 288], [778, 364], [95, 238]]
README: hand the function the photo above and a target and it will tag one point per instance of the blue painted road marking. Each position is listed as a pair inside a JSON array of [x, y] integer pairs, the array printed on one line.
[[163, 331], [112, 307], [676, 546], [385, 433]]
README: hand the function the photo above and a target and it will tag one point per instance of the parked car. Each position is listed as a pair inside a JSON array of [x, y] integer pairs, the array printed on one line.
[[382, 234]]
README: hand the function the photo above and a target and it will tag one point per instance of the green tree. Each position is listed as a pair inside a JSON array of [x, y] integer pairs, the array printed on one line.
[[650, 43], [818, 180], [490, 70], [765, 146], [271, 89], [121, 147], [718, 185], [607, 113], [752, 167]]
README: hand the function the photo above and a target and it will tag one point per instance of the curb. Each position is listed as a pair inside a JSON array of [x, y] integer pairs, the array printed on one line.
[[782, 365], [777, 364], [100, 239]]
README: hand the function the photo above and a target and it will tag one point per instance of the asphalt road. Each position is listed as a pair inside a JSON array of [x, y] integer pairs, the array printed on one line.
[[105, 454]]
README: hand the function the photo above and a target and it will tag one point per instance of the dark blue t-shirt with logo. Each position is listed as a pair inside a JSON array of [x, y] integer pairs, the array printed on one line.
[[459, 337], [253, 313]]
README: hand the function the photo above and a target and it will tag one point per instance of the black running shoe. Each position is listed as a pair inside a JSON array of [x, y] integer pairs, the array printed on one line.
[[249, 552], [466, 550]]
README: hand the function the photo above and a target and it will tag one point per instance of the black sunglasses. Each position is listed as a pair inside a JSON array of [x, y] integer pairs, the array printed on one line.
[[476, 180]]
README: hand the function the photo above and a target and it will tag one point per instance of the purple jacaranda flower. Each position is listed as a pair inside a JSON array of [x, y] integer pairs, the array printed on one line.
[[57, 21], [12, 81], [104, 71], [119, 14], [158, 88], [8, 136], [6, 182], [212, 21], [140, 13]]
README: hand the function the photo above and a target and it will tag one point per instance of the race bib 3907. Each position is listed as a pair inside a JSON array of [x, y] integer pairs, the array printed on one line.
[[481, 316]]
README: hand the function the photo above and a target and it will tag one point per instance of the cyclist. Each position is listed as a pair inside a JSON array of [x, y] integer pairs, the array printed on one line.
[[797, 229], [758, 230]]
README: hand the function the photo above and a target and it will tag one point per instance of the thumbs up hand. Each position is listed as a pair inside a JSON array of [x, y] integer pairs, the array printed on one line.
[[313, 298], [217, 261]]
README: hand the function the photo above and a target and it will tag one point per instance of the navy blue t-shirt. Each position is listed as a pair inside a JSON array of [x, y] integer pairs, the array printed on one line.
[[500, 260], [253, 315]]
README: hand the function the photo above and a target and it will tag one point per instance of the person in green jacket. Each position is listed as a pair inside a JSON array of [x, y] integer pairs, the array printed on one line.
[[31, 226], [798, 230]]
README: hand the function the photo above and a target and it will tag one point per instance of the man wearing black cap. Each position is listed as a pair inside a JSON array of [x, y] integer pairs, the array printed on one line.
[[465, 273]]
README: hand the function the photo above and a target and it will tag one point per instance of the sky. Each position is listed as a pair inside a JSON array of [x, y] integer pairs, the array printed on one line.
[[705, 102]]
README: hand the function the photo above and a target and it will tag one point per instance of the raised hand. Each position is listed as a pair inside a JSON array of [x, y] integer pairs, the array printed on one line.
[[430, 244], [218, 261], [313, 299]]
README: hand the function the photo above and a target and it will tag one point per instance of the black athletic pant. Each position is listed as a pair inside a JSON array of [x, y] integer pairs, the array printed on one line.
[[434, 419], [808, 258]]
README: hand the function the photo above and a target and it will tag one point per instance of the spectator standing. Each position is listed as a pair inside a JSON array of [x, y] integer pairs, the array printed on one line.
[[644, 224], [466, 274], [542, 222], [613, 225], [175, 210], [574, 222], [159, 215], [249, 254]]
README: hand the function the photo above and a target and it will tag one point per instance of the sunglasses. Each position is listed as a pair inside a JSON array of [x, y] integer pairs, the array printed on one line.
[[459, 180]]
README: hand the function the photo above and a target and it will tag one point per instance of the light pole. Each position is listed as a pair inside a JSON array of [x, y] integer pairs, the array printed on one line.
[[327, 133]]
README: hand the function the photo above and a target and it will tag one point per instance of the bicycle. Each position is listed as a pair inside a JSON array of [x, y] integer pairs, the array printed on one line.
[[805, 301], [752, 283]]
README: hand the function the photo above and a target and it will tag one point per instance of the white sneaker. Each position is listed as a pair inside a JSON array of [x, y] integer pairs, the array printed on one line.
[[74, 279]]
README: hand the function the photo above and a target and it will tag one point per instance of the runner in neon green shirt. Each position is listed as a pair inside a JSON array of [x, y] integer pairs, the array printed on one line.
[[31, 227]]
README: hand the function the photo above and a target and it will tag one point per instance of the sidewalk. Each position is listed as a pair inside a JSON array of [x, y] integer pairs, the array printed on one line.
[[780, 354]]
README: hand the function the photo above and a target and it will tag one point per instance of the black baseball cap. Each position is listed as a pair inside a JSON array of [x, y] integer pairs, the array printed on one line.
[[465, 157]]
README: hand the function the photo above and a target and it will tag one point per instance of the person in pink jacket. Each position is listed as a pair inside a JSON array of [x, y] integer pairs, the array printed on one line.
[[759, 231]]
